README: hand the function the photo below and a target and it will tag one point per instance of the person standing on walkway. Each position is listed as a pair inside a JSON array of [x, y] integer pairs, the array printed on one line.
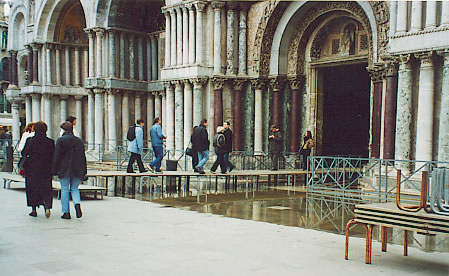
[[193, 152], [275, 140], [306, 148], [69, 163], [200, 143], [157, 141], [38, 158], [73, 121], [220, 150], [135, 146], [27, 133], [228, 146]]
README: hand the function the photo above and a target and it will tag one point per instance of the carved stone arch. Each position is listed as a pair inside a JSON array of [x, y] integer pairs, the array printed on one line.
[[102, 13], [18, 14]]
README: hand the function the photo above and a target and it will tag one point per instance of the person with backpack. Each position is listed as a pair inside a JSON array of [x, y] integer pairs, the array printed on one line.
[[220, 150], [157, 141], [135, 146], [200, 144], [228, 135]]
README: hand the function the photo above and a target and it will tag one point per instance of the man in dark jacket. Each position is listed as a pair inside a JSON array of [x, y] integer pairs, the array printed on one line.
[[228, 145], [275, 140], [220, 150], [69, 163], [200, 143]]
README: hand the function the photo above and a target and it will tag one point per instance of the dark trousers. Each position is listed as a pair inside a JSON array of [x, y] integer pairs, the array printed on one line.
[[227, 162], [194, 158], [135, 157], [275, 160], [305, 156], [220, 161]]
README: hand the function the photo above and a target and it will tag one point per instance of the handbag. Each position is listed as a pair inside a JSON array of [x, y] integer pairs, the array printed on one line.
[[189, 150]]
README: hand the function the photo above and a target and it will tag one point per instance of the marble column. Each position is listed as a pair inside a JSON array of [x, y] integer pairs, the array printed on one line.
[[173, 38], [401, 25], [296, 84], [154, 58], [91, 119], [140, 57], [198, 100], [150, 113], [377, 76], [443, 141], [179, 117], [43, 68], [63, 106], [199, 32], [48, 63], [90, 35], [218, 102], [79, 115], [76, 63], [85, 69], [178, 35], [416, 24], [36, 63], [99, 119], [13, 62], [125, 114], [167, 38], [258, 85], [431, 14], [112, 120], [28, 113], [237, 114], [29, 64], [393, 17], [185, 36], [157, 105], [15, 106], [217, 6], [67, 66], [99, 58], [390, 110], [170, 116], [58, 65], [276, 85], [231, 39], [122, 55], [404, 121], [48, 114], [149, 59], [112, 54], [424, 127], [191, 34], [132, 68], [36, 109], [444, 14], [137, 106], [164, 112], [188, 112]]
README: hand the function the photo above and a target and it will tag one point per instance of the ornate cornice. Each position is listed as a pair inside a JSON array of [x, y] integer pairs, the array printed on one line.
[[432, 30]]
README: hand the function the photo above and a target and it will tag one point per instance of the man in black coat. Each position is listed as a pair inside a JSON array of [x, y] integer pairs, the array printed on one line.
[[228, 145], [275, 140], [69, 163], [200, 143]]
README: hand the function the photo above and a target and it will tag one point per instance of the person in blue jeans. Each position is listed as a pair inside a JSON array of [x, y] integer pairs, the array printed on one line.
[[69, 163], [157, 141], [200, 144]]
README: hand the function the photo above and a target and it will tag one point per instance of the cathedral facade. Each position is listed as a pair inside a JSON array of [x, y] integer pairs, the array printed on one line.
[[367, 78]]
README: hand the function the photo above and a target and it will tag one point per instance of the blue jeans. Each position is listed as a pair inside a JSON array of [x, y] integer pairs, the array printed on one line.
[[69, 184], [203, 156], [159, 152]]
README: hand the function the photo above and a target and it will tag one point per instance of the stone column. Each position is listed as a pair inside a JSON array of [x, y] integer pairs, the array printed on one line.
[[258, 86], [393, 17], [79, 115], [140, 57], [276, 85], [58, 65], [178, 35], [173, 39], [185, 36], [217, 6], [137, 106], [218, 102], [99, 57], [170, 116], [13, 62], [431, 14], [191, 34], [424, 127], [150, 113], [85, 69], [36, 102], [15, 106], [377, 76], [48, 114], [29, 64], [132, 68], [230, 39], [164, 112], [48, 63], [416, 24], [63, 106], [99, 118], [122, 55], [237, 116], [76, 62], [444, 14], [404, 121], [198, 100], [443, 141], [179, 117], [36, 63], [43, 68], [91, 119], [67, 66], [199, 32], [149, 59], [188, 112], [167, 37], [28, 113], [296, 84], [242, 38], [125, 114], [112, 120], [154, 58], [157, 105], [401, 25], [112, 55], [390, 110]]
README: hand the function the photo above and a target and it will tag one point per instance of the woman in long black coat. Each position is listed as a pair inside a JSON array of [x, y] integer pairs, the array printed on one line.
[[38, 152]]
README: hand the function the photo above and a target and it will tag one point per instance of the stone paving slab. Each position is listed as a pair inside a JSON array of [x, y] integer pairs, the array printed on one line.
[[120, 236]]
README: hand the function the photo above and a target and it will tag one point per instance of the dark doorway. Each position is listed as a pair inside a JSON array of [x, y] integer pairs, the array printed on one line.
[[346, 110]]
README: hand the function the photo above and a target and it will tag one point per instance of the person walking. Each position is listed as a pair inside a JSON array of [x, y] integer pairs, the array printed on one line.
[[200, 143], [228, 146], [38, 158], [157, 141], [193, 152], [73, 121], [27, 133], [69, 163], [275, 140], [136, 148], [219, 144], [306, 149]]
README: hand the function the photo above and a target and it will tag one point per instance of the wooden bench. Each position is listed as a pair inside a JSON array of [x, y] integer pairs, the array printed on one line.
[[9, 178]]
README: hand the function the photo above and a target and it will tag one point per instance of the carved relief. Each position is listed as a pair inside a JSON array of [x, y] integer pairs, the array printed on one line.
[[382, 14]]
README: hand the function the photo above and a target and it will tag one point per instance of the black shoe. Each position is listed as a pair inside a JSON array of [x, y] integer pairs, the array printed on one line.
[[231, 168], [130, 171], [33, 214], [223, 172], [196, 169], [144, 171], [158, 170], [66, 216], [78, 211], [202, 172]]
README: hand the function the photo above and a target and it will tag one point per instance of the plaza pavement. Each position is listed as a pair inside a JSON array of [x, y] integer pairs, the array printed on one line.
[[118, 236]]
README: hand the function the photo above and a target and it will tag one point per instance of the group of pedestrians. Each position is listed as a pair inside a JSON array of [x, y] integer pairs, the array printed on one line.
[[42, 158]]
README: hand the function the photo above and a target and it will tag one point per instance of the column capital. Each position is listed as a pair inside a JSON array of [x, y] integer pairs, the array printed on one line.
[[190, 6], [168, 85], [277, 82], [98, 91], [445, 54], [35, 95], [198, 82], [238, 84], [296, 81], [425, 57], [177, 83], [259, 83], [404, 62], [391, 67], [217, 5], [218, 83], [186, 82], [376, 72], [99, 31], [63, 97], [199, 6], [36, 46], [78, 97]]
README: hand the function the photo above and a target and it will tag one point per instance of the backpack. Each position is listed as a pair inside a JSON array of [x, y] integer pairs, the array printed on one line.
[[219, 141], [131, 135]]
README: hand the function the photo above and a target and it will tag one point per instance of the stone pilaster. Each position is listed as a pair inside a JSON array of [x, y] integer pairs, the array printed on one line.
[[173, 38], [199, 32], [90, 35], [237, 116], [377, 74], [112, 54], [393, 17], [29, 79], [444, 14], [99, 119], [178, 35], [132, 57], [443, 141], [231, 68], [154, 58], [431, 14], [36, 102], [48, 113], [401, 25], [218, 7], [179, 117], [188, 112], [91, 119], [28, 113], [167, 37], [140, 58], [185, 36], [258, 86], [36, 48], [158, 105], [416, 24], [122, 56], [79, 115], [48, 63], [63, 108], [58, 64], [13, 68], [390, 109], [76, 63], [137, 106], [150, 113], [99, 52], [125, 114], [149, 58], [191, 34], [198, 100], [170, 116], [112, 120]]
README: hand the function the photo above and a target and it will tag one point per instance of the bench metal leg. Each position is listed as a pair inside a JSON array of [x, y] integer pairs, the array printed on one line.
[[369, 234], [384, 236], [405, 243]]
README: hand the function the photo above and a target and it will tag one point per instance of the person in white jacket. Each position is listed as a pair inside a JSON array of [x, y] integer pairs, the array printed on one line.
[[27, 133]]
